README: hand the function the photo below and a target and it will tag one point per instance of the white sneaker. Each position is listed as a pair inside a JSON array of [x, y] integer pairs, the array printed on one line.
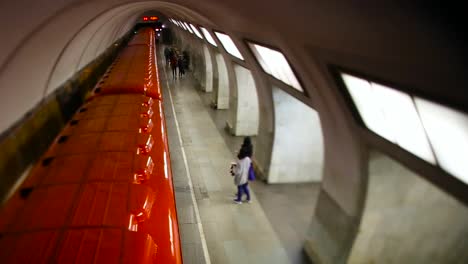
[[237, 202]]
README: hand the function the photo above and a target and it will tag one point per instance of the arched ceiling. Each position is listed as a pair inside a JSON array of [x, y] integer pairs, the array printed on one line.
[[45, 42]]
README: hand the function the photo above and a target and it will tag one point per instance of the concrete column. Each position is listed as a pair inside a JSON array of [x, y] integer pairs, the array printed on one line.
[[208, 85], [243, 104], [198, 62], [408, 220], [298, 141], [263, 145], [221, 93]]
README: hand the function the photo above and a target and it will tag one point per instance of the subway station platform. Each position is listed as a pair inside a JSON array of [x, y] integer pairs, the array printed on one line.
[[213, 229]]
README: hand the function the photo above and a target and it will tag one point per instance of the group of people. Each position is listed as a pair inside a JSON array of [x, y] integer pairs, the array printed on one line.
[[241, 170], [178, 62]]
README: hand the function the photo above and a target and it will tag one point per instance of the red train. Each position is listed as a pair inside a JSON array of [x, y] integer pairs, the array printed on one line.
[[103, 191]]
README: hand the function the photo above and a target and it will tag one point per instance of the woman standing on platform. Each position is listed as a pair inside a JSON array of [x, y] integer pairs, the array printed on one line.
[[241, 174], [246, 150]]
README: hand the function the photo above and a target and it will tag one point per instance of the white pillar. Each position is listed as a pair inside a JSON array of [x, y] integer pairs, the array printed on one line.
[[221, 93], [208, 87], [298, 141], [243, 104]]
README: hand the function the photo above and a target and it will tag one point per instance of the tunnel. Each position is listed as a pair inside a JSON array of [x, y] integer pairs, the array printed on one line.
[[357, 112]]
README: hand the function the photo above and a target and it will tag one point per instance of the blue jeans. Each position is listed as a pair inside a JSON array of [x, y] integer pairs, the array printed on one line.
[[244, 188]]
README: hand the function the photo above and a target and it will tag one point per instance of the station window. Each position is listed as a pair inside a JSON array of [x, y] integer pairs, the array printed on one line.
[[195, 30], [182, 25], [188, 27], [229, 45], [447, 130], [274, 63], [208, 36], [435, 133]]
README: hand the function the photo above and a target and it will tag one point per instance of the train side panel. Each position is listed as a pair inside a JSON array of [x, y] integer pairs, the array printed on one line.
[[103, 191]]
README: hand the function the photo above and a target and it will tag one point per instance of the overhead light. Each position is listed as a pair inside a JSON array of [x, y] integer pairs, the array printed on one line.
[[208, 36], [229, 45], [274, 63], [195, 30]]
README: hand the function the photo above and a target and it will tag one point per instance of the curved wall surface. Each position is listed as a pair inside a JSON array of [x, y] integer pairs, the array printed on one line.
[[44, 43]]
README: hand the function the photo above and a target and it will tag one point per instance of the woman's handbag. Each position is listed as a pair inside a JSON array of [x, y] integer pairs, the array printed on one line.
[[251, 173]]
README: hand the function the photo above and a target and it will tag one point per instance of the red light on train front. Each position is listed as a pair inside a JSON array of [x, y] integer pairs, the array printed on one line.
[[145, 18]]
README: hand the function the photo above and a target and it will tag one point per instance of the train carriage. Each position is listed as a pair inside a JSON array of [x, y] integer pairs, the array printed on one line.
[[103, 191]]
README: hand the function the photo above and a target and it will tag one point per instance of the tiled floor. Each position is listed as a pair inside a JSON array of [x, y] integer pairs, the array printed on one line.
[[270, 230]]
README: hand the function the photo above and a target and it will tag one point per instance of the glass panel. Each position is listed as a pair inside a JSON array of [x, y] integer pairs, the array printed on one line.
[[403, 121], [447, 130], [196, 31], [229, 45], [362, 94], [274, 63], [390, 114], [208, 36]]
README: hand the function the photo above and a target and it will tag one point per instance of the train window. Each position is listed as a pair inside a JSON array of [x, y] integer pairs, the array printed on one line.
[[450, 140], [390, 114], [208, 36], [46, 162], [229, 45], [274, 63], [195, 30], [25, 192], [62, 139]]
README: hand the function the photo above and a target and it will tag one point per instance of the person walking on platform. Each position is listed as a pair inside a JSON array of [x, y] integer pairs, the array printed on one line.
[[167, 55], [180, 65], [240, 172], [173, 63], [186, 57]]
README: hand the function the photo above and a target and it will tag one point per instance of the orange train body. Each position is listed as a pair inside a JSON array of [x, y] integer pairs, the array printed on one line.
[[103, 191], [134, 70]]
